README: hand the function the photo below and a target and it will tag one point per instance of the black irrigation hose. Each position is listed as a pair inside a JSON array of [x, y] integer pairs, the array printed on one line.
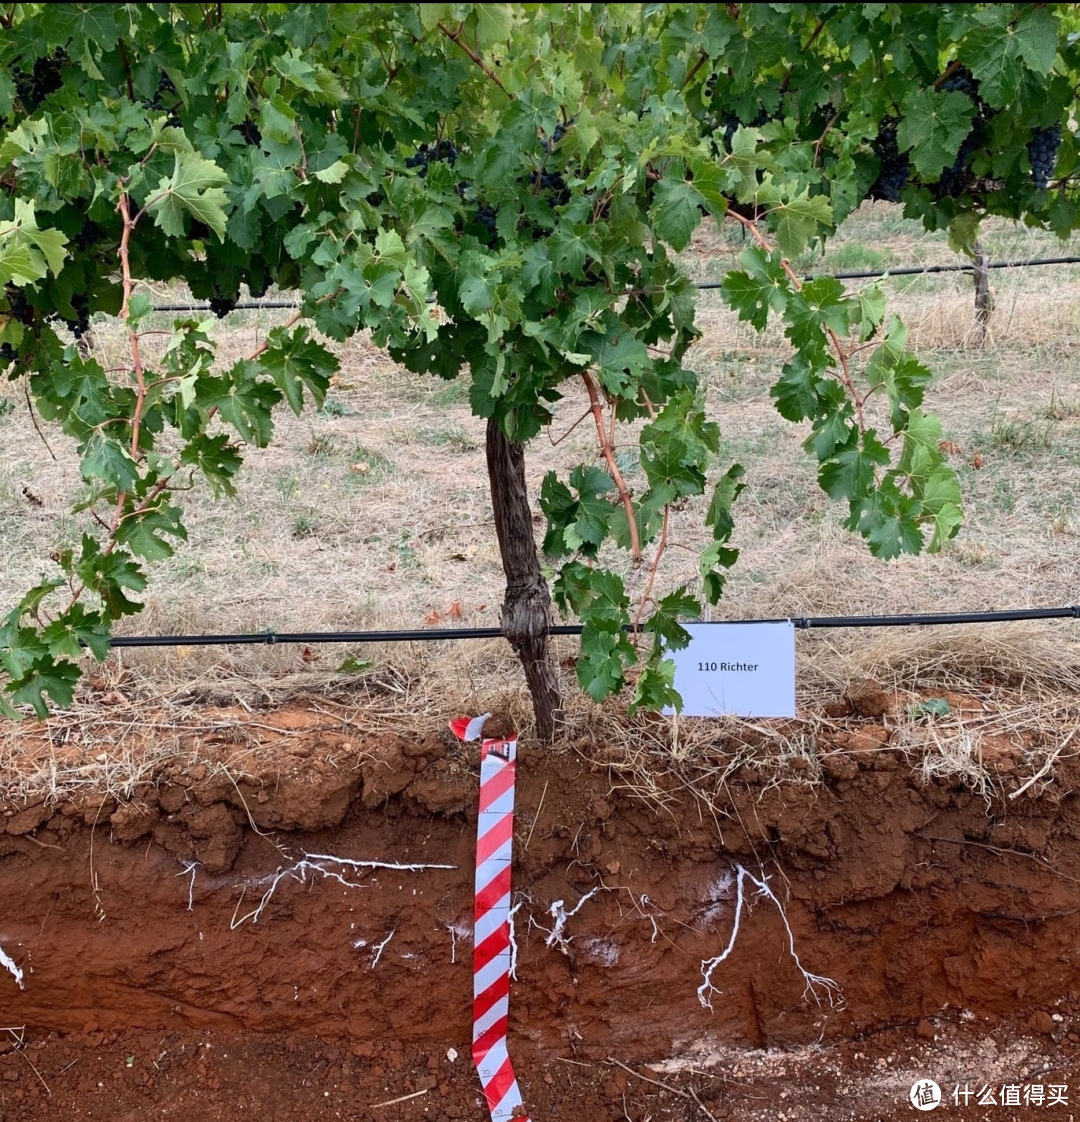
[[906, 271], [271, 638], [918, 270]]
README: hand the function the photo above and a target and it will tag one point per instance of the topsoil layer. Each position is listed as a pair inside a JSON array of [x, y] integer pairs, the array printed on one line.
[[285, 933]]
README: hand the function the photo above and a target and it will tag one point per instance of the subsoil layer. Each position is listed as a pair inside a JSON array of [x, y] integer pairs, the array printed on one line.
[[277, 924]]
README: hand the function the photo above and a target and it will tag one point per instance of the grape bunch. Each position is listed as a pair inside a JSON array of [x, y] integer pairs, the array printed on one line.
[[156, 104], [485, 216], [18, 309], [895, 165], [958, 178], [250, 132], [1042, 151], [443, 152], [955, 180], [221, 306], [80, 325], [45, 78], [961, 82], [557, 135]]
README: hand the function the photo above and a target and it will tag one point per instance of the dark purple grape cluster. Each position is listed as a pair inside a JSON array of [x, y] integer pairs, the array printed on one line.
[[961, 82], [250, 132], [80, 325], [486, 216], [17, 306], [157, 104], [956, 179], [18, 309], [1042, 152], [221, 306], [442, 153], [89, 233], [557, 135], [45, 78], [895, 165]]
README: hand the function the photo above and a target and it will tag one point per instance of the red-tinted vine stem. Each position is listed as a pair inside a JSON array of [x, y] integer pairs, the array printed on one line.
[[661, 545], [841, 354], [606, 450], [133, 341], [455, 37]]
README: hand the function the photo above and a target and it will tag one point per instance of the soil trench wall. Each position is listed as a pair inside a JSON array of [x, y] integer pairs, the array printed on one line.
[[191, 905]]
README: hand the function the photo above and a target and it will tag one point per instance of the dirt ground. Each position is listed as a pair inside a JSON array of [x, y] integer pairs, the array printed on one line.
[[278, 925]]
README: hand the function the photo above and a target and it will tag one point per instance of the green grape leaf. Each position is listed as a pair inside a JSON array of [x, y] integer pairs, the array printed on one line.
[[664, 621], [217, 458], [850, 472], [605, 655], [296, 362], [108, 460], [109, 575], [144, 534], [45, 676], [934, 126], [799, 219], [655, 690], [761, 287], [20, 647], [999, 54], [675, 212], [196, 188], [77, 628]]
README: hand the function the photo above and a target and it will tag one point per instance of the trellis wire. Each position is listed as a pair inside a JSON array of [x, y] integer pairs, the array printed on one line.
[[804, 623], [905, 271]]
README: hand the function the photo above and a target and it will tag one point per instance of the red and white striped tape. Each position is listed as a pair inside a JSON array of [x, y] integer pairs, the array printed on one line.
[[491, 930]]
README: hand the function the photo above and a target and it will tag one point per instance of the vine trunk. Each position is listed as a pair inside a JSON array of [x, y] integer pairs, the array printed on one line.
[[526, 609]]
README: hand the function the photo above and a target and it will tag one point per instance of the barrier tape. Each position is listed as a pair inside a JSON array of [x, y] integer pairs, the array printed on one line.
[[491, 930]]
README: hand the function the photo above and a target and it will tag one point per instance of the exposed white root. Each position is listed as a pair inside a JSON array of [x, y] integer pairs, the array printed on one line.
[[8, 964], [315, 863], [513, 937], [459, 929], [560, 915], [414, 868], [190, 867], [378, 948], [818, 987]]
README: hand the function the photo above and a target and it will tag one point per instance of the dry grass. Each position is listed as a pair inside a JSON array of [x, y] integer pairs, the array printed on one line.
[[374, 513]]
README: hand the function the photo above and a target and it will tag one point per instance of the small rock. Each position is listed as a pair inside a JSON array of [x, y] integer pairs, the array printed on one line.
[[925, 1030], [1041, 1022]]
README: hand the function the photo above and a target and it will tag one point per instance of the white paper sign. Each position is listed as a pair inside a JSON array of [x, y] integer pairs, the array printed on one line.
[[742, 669]]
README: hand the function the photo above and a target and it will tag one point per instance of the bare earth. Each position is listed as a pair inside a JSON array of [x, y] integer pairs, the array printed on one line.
[[204, 950]]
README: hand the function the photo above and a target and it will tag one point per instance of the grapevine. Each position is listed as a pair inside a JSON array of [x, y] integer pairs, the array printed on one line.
[[503, 198]]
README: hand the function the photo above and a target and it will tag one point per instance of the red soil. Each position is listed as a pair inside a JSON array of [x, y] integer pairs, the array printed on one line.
[[180, 961]]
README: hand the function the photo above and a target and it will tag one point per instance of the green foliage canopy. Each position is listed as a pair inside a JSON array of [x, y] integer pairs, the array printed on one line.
[[496, 191]]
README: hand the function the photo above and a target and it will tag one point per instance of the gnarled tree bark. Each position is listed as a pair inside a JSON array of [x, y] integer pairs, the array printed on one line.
[[526, 610]]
